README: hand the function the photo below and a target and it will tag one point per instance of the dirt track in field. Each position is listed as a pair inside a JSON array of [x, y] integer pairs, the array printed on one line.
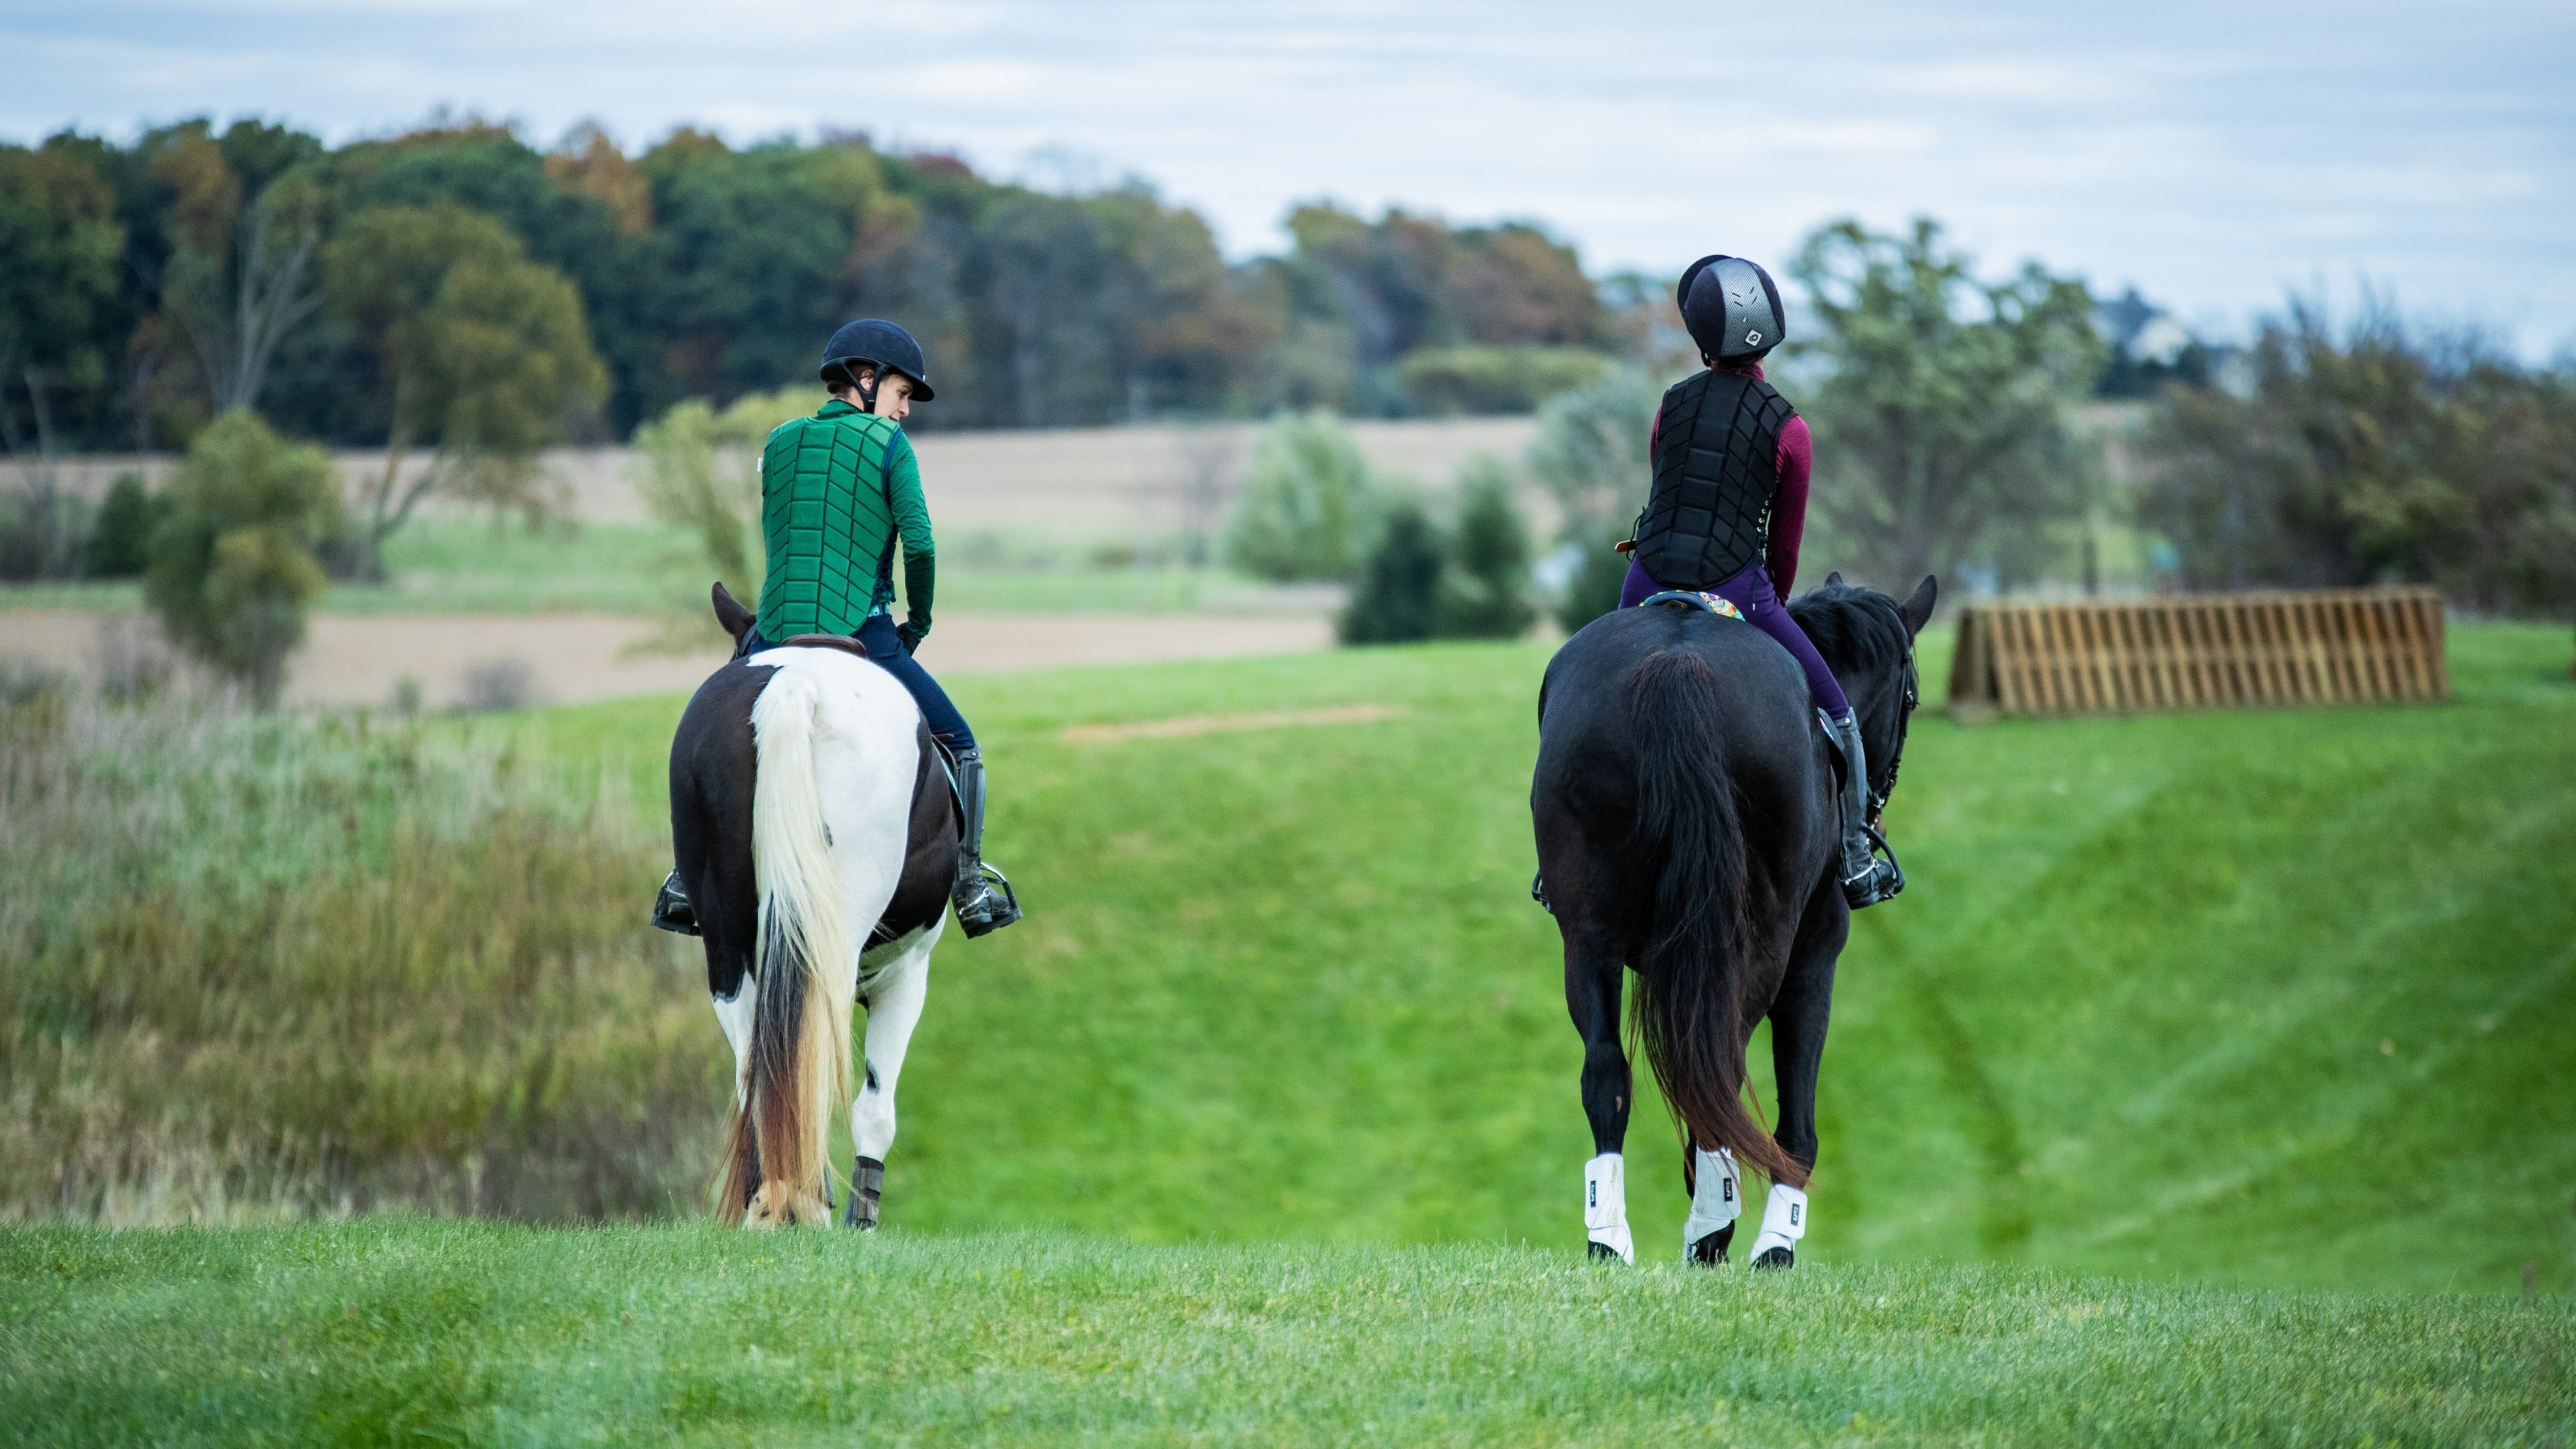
[[494, 660]]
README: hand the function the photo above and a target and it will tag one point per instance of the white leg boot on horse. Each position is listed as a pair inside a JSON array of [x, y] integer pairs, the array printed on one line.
[[1605, 1208], [893, 993], [1717, 1199], [1784, 1222]]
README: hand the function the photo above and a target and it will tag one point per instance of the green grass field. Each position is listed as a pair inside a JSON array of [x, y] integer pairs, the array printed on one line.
[[468, 1334], [2263, 998], [2212, 1081]]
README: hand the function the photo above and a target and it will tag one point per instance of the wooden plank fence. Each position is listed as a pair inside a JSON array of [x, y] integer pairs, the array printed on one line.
[[2199, 651]]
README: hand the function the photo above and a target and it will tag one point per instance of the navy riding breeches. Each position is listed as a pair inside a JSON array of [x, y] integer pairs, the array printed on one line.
[[878, 637]]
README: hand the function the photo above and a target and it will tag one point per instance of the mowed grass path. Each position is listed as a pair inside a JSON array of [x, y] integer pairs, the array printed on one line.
[[2277, 998], [460, 1333]]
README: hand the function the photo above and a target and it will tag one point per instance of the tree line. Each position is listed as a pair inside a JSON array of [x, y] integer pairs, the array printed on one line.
[[149, 286], [1945, 406]]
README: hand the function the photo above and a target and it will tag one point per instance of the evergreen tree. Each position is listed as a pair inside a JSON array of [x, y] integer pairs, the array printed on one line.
[[1398, 600], [1487, 592]]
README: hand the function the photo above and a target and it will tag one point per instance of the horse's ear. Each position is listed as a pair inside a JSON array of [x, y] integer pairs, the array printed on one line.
[[1917, 610], [1834, 579], [731, 613]]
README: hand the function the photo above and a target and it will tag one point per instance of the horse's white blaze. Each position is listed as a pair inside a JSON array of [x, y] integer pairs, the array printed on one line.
[[893, 992], [1605, 1204], [1784, 1219], [1717, 1195]]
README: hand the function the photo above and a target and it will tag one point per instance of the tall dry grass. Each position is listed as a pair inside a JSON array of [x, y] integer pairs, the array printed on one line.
[[273, 968]]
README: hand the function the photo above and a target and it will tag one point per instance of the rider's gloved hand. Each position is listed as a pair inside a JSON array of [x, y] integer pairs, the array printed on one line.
[[910, 637]]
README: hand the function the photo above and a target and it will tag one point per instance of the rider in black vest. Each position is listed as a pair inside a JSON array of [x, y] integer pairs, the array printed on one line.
[[1729, 503]]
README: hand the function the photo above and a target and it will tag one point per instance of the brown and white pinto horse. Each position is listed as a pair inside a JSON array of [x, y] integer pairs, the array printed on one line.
[[808, 801]]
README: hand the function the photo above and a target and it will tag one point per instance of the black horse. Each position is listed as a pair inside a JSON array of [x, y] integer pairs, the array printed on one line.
[[1685, 807]]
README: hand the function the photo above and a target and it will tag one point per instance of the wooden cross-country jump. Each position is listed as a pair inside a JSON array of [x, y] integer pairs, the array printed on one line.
[[2199, 651]]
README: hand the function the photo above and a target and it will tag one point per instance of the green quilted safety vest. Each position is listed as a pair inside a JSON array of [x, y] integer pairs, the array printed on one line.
[[827, 517]]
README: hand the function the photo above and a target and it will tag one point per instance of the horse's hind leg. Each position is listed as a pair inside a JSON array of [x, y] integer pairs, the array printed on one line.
[[1593, 979], [893, 1000], [1798, 1018]]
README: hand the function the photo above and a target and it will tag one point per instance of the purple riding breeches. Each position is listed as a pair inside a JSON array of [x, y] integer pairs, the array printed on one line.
[[1750, 591]]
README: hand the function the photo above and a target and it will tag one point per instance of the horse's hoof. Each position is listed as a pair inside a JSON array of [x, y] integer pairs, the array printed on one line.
[[1603, 1251], [1776, 1258], [1710, 1250], [775, 1205]]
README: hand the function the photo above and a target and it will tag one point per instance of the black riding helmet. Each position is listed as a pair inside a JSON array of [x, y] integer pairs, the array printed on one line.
[[1732, 308], [882, 343]]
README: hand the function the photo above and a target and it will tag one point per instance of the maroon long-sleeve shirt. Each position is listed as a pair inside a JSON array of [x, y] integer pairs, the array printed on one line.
[[1795, 460]]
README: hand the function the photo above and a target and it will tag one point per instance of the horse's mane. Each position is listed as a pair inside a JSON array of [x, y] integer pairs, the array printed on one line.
[[1855, 626]]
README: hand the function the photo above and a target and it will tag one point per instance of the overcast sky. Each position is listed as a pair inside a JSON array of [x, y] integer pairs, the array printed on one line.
[[2214, 155]]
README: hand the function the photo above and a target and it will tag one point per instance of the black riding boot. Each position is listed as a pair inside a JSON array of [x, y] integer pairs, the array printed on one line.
[[983, 896], [671, 909], [1867, 880]]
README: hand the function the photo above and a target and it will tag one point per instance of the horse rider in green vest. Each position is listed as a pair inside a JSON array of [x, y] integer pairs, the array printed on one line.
[[840, 493]]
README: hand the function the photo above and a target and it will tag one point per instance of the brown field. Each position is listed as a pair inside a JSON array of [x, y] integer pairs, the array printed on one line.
[[488, 661], [1151, 480]]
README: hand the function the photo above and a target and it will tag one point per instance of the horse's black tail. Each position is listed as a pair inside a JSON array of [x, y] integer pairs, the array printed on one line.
[[1689, 1004]]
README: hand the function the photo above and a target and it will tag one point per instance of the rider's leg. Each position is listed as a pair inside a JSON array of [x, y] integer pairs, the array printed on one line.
[[1866, 879], [671, 908], [982, 895], [1638, 586]]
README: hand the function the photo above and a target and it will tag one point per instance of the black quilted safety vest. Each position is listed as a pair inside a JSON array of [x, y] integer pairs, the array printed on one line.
[[1717, 468]]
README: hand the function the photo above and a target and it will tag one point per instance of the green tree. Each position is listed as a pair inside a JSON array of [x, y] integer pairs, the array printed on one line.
[[1309, 504], [59, 241], [1398, 598], [242, 227], [484, 352], [233, 566], [1943, 419], [1486, 592]]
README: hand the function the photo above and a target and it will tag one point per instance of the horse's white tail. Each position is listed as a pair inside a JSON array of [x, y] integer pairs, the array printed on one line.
[[798, 1074]]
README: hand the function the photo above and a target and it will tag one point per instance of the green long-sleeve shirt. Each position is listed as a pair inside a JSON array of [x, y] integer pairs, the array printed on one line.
[[838, 491]]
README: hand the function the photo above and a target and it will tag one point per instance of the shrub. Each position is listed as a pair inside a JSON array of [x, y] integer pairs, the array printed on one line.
[[1308, 505], [2378, 455], [120, 541], [232, 568], [39, 530], [1398, 599], [1486, 594]]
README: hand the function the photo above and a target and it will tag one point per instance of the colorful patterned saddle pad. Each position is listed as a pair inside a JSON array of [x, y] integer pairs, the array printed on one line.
[[1692, 599]]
